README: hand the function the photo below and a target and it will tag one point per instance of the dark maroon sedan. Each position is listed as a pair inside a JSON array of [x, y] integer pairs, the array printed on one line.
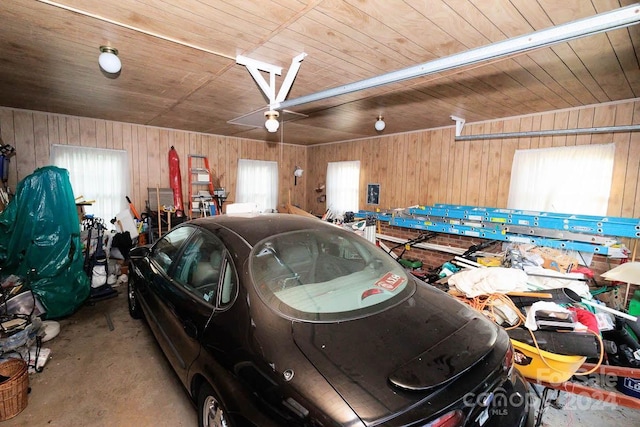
[[284, 320]]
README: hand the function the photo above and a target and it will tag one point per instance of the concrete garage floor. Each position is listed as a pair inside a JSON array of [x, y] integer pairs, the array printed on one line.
[[101, 377], [98, 377]]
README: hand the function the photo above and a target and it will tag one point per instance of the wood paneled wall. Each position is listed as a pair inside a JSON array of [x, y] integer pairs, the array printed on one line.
[[415, 168], [430, 167], [32, 134]]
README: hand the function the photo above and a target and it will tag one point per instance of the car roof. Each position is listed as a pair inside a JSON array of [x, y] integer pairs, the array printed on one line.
[[255, 227]]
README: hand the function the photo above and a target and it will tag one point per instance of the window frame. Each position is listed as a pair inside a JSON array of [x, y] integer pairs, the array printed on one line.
[[194, 254], [227, 267], [343, 187], [580, 182], [278, 268], [158, 249], [261, 189], [108, 186]]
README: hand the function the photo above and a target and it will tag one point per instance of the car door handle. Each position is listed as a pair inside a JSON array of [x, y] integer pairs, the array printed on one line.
[[191, 329]]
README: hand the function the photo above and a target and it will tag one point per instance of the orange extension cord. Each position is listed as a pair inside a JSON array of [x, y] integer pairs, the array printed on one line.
[[486, 305]]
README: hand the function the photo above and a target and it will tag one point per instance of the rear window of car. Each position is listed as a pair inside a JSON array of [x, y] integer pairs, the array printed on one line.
[[319, 276]]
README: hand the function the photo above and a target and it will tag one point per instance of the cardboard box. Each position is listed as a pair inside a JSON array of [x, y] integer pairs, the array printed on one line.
[[555, 259]]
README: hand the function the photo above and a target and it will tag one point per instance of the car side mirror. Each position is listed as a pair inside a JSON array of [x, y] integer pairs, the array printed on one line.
[[140, 251]]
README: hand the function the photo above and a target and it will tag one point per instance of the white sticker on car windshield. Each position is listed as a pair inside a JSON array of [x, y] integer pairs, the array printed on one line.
[[390, 281]]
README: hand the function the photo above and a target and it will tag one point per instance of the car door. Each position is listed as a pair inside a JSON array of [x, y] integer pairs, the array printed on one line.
[[179, 294], [154, 272], [186, 301]]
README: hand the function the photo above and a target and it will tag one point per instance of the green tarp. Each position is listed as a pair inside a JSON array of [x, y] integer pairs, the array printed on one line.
[[40, 230]]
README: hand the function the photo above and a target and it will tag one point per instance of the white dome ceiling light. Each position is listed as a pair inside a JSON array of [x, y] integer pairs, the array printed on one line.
[[380, 124], [272, 124], [109, 61]]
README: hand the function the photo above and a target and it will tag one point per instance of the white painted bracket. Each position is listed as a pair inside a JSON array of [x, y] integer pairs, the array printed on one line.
[[459, 124], [269, 89]]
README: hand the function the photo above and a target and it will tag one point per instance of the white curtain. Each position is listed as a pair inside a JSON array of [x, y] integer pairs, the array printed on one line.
[[258, 183], [573, 179], [343, 184], [96, 174]]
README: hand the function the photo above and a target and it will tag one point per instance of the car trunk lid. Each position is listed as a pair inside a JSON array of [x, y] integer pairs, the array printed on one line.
[[446, 359], [385, 363]]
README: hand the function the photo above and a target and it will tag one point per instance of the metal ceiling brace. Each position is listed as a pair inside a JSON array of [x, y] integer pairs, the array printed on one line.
[[459, 124], [618, 18], [269, 89], [555, 132]]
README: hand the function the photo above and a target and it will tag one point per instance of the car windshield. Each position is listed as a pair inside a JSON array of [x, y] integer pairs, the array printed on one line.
[[318, 276]]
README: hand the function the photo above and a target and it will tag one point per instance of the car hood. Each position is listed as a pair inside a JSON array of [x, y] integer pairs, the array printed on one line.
[[385, 363]]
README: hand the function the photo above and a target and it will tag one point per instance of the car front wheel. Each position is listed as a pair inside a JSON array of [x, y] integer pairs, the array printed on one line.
[[211, 412], [132, 298]]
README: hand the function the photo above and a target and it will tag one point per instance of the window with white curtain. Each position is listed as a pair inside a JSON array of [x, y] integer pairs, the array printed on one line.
[[572, 179], [96, 174], [258, 183], [343, 186]]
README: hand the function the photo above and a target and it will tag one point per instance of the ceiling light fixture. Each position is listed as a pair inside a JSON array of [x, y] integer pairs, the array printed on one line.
[[109, 60], [272, 124], [380, 124]]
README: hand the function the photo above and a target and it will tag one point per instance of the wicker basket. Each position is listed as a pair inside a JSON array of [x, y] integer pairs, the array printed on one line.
[[14, 391]]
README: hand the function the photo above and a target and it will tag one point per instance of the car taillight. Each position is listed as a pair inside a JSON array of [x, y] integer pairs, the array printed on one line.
[[450, 419], [507, 365]]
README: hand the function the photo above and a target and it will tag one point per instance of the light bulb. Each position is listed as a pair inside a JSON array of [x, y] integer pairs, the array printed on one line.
[[380, 124], [271, 123], [109, 60]]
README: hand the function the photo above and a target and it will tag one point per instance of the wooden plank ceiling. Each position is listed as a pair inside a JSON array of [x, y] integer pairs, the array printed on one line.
[[179, 67]]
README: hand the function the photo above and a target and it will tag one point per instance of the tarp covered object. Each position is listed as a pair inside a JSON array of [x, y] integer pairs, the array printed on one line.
[[39, 229]]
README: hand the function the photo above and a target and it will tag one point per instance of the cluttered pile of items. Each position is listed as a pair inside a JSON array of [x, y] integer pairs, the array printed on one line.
[[52, 261], [565, 328], [23, 331], [559, 328], [104, 257], [22, 334], [23, 327], [41, 277]]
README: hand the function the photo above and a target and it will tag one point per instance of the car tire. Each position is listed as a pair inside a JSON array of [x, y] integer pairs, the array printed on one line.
[[211, 412], [132, 299]]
